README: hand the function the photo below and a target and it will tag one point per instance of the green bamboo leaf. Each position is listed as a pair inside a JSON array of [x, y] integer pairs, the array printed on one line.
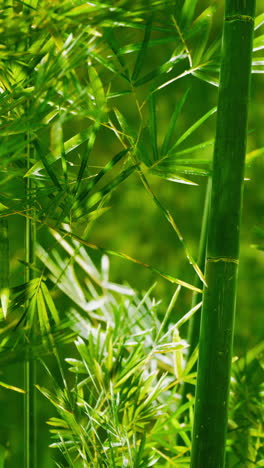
[[212, 55], [48, 167], [172, 176], [254, 155], [50, 303], [189, 71], [258, 43], [187, 316], [191, 362], [169, 347], [169, 135], [174, 226], [69, 146], [194, 127], [109, 65], [143, 50], [174, 163], [136, 47], [178, 361], [77, 367], [83, 9], [252, 354], [167, 276], [57, 146], [207, 77], [191, 149], [57, 422], [128, 372], [53, 399], [164, 68], [201, 30], [42, 314], [97, 89], [188, 11], [168, 312], [107, 189], [259, 21], [258, 65], [82, 195], [11, 387], [30, 314], [175, 166], [153, 126], [115, 46], [86, 154]]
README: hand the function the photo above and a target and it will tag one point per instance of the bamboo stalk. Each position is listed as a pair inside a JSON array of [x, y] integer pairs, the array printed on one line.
[[217, 325], [194, 324], [4, 265], [30, 368]]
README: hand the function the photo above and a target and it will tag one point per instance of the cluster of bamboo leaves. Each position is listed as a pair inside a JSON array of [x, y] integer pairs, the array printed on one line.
[[66, 69], [123, 407]]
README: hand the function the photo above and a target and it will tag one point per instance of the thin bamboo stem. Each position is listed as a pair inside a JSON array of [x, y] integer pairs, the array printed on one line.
[[194, 324], [4, 265], [30, 368], [217, 324]]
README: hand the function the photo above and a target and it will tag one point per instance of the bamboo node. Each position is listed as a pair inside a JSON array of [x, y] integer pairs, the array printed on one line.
[[223, 259], [241, 18]]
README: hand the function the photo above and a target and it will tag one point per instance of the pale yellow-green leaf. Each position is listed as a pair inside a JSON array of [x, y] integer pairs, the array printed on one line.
[[12, 387]]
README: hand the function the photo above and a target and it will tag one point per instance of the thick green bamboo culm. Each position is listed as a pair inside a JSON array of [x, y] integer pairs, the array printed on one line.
[[217, 324]]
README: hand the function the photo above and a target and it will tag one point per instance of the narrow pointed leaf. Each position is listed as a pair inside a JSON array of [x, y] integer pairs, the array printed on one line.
[[167, 276], [97, 89], [82, 195], [153, 126], [99, 196], [11, 387], [48, 167], [194, 127], [143, 50], [69, 146], [164, 68], [188, 11], [50, 303], [86, 154], [57, 146], [201, 30], [169, 135]]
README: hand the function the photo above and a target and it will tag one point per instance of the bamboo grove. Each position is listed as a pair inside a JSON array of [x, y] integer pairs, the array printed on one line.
[[124, 147]]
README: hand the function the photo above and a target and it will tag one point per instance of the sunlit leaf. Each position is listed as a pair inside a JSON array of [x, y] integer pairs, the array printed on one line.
[[11, 387]]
